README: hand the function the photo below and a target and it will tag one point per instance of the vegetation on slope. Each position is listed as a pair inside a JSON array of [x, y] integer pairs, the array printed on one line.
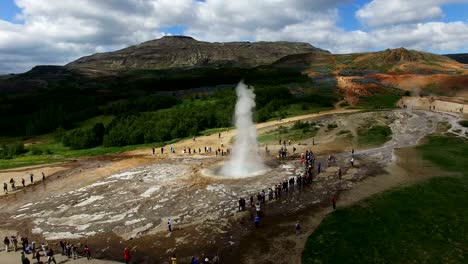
[[145, 119], [461, 57], [373, 136], [396, 60], [299, 131], [464, 123], [381, 101], [422, 223]]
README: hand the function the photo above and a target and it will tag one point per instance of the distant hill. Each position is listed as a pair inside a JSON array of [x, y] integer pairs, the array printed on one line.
[[461, 57], [183, 52], [388, 61], [180, 62], [383, 72]]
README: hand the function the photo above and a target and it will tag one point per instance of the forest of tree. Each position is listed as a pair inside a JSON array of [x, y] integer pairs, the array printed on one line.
[[143, 117]]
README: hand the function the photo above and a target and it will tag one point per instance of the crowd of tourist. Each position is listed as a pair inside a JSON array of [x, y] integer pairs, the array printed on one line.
[[14, 187], [188, 150], [37, 252], [202, 259], [311, 169]]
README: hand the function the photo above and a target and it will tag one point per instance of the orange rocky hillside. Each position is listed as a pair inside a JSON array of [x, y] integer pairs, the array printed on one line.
[[392, 71]]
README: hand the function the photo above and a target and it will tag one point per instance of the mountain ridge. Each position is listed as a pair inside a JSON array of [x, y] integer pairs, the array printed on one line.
[[460, 57], [182, 57], [183, 52]]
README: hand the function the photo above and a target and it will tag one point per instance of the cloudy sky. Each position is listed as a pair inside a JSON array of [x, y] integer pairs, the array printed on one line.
[[36, 32]]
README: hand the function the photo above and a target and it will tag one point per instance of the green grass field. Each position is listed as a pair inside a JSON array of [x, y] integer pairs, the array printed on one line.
[[53, 151], [373, 136], [92, 121], [284, 133], [378, 101], [424, 223], [300, 109], [61, 153]]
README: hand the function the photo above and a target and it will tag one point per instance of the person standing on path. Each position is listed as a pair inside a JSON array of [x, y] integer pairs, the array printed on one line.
[[87, 252], [6, 241], [12, 182], [257, 221], [50, 256], [127, 256], [298, 228], [258, 209], [5, 187], [169, 225], [37, 256], [62, 246], [14, 240], [23, 182], [43, 176], [216, 259], [31, 177], [24, 259], [352, 162], [334, 202], [173, 259]]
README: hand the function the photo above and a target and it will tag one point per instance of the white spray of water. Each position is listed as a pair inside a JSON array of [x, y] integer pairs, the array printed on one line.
[[245, 160]]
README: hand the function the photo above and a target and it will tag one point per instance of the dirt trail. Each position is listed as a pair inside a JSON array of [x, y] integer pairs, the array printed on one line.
[[212, 140], [423, 103]]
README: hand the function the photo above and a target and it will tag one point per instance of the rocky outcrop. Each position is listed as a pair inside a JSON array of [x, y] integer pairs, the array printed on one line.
[[182, 51]]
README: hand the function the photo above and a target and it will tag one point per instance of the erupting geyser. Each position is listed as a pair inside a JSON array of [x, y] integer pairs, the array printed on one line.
[[244, 160]]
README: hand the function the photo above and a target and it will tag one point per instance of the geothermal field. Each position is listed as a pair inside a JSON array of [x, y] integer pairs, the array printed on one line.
[[130, 197]]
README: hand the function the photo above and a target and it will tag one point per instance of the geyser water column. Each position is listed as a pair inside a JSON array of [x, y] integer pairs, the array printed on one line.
[[244, 160]]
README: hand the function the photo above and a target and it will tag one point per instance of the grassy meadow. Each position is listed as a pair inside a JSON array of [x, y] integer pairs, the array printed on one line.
[[373, 136], [423, 223]]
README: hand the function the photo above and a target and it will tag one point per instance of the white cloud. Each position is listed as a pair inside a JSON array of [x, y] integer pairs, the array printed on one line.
[[56, 32], [241, 19], [319, 27], [380, 13], [437, 36]]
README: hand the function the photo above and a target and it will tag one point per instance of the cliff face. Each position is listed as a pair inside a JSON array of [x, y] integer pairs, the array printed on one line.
[[181, 51]]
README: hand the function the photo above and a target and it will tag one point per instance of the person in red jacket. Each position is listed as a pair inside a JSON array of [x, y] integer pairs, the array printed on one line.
[[127, 256], [87, 252], [334, 202]]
